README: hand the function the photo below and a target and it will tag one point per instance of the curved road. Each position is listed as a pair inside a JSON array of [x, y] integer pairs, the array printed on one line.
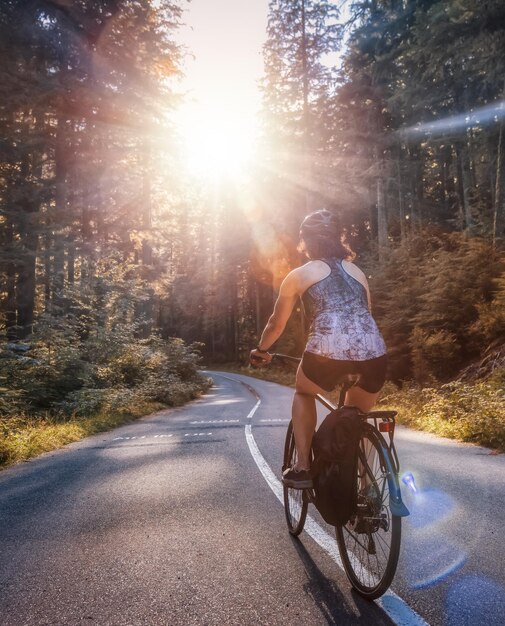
[[174, 520]]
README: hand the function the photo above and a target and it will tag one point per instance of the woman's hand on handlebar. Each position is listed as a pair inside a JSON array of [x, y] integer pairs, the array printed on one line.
[[259, 359]]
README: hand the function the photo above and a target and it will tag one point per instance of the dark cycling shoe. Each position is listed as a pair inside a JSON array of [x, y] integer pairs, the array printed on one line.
[[297, 479]]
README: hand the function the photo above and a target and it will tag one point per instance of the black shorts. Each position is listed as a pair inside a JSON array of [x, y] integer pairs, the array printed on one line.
[[328, 373]]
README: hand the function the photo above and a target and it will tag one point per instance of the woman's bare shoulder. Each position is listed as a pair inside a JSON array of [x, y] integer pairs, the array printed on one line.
[[357, 274], [353, 269], [310, 269], [308, 274]]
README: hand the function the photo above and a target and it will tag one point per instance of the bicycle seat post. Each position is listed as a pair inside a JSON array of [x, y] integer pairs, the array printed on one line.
[[347, 384]]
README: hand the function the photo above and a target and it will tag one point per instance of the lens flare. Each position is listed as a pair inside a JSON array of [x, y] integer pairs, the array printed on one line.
[[489, 114], [433, 559], [408, 479]]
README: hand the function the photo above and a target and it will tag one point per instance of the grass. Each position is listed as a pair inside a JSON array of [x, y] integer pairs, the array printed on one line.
[[470, 412], [24, 437]]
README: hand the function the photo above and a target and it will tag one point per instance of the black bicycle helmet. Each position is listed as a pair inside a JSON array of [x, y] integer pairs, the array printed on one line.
[[321, 223]]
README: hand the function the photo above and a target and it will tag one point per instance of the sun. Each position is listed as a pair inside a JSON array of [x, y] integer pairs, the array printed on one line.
[[216, 143]]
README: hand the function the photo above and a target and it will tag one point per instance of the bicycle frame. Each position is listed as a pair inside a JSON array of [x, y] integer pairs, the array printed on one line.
[[383, 421], [374, 519]]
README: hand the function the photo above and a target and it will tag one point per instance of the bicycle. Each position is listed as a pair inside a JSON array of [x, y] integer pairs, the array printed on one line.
[[369, 543]]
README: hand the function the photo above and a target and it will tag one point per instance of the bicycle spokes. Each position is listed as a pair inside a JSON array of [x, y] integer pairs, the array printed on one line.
[[369, 543], [295, 500]]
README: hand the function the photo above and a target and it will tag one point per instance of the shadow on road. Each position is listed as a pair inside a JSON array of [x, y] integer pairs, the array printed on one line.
[[330, 600]]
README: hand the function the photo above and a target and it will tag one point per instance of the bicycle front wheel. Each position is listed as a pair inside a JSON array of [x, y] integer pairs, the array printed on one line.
[[295, 500], [369, 544]]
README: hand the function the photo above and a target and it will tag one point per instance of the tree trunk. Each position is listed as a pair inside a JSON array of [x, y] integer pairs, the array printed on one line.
[[25, 280], [25, 285], [465, 216], [448, 187], [10, 287], [60, 165], [499, 194], [71, 262], [401, 205], [147, 251], [382, 224], [416, 188], [307, 161]]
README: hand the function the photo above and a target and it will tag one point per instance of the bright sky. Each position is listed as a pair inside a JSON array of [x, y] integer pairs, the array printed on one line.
[[219, 119]]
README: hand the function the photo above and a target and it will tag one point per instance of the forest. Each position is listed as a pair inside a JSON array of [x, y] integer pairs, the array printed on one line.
[[119, 271]]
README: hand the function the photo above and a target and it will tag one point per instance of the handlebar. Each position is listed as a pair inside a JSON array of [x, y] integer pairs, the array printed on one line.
[[277, 356], [285, 357]]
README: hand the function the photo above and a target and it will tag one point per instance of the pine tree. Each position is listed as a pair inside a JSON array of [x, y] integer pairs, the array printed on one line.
[[296, 86], [86, 90]]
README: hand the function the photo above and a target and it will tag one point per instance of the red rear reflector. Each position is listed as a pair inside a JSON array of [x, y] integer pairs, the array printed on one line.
[[386, 427]]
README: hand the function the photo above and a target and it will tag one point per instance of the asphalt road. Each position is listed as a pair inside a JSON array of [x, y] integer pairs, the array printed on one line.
[[169, 520]]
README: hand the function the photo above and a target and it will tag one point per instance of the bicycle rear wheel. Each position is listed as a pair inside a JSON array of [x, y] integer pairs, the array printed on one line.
[[295, 500], [369, 544]]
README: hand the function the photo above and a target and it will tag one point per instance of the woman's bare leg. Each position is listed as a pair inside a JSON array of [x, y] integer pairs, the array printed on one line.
[[304, 418], [365, 401]]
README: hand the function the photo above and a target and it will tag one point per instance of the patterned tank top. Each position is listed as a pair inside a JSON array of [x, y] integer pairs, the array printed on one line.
[[341, 326]]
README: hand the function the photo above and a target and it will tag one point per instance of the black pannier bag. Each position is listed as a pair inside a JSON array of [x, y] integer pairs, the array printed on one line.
[[335, 448]]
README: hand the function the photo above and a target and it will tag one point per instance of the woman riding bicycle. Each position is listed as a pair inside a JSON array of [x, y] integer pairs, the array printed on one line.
[[343, 337]]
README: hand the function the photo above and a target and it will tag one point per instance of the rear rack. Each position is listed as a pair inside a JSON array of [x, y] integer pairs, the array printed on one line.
[[384, 421]]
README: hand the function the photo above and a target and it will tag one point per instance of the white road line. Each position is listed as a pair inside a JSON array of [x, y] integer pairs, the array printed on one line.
[[276, 419], [161, 436], [216, 422], [396, 608], [253, 410]]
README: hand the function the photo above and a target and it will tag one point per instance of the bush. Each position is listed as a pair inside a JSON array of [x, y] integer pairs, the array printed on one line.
[[170, 390], [469, 412], [434, 355], [437, 300], [490, 324], [49, 367], [66, 376], [83, 403]]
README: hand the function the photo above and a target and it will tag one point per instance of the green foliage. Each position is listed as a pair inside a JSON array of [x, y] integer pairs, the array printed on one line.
[[60, 396], [436, 299], [85, 402], [297, 89], [468, 412], [433, 354], [59, 378], [55, 366], [490, 324]]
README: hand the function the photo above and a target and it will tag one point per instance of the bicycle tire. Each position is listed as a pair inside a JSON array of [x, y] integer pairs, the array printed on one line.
[[295, 500], [369, 544]]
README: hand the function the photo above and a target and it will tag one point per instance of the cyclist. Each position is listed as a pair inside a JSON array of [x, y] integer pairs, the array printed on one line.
[[343, 336]]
